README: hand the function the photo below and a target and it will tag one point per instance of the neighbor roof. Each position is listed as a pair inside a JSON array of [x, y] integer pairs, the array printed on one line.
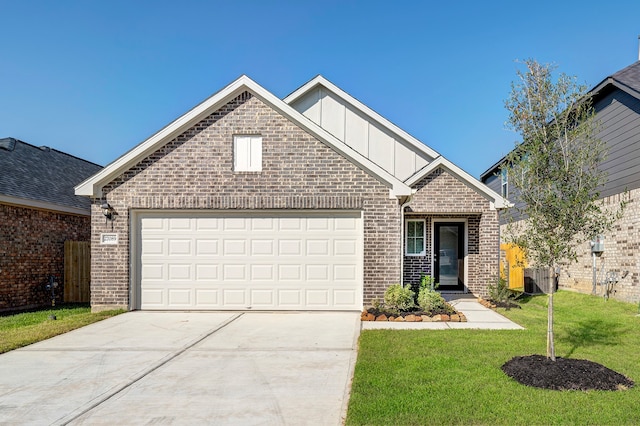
[[42, 177], [627, 80]]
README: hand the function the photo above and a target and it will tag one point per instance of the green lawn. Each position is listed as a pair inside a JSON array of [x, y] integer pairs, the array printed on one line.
[[26, 328], [431, 377]]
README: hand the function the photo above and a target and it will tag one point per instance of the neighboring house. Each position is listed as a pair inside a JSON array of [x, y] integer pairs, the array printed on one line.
[[616, 101], [314, 202], [38, 213]]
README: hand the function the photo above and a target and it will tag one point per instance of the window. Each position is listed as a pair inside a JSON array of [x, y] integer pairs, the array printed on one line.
[[415, 237], [247, 153], [504, 182]]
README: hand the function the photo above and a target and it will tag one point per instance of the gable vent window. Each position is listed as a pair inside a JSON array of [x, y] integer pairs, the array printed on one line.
[[247, 153]]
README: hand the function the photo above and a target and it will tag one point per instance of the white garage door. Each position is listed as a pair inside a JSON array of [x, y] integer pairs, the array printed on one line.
[[279, 261]]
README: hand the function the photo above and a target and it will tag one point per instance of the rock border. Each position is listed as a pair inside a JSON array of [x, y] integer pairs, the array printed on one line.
[[458, 317]]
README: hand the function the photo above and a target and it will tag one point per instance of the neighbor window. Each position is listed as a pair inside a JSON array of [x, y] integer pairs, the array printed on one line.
[[247, 153], [505, 182], [415, 237]]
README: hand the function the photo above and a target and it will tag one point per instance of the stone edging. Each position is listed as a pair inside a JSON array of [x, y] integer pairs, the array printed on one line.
[[459, 317]]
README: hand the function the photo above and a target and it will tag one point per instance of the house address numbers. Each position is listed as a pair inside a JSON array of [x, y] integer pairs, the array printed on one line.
[[109, 238]]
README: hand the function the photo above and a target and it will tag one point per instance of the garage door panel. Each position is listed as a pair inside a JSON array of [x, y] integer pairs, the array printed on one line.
[[277, 260], [234, 272], [179, 297], [153, 272], [208, 223], [262, 247], [207, 272], [206, 247], [344, 298], [207, 298], [179, 272], [234, 247], [262, 273], [290, 272], [234, 298], [318, 247], [318, 298], [179, 224], [262, 298], [262, 224]]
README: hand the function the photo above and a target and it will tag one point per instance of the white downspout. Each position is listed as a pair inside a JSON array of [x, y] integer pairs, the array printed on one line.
[[402, 206]]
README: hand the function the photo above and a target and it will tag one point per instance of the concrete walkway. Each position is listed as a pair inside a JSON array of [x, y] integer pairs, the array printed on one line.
[[478, 317], [186, 368]]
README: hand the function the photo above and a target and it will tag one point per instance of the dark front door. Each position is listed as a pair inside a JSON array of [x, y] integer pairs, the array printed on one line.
[[449, 255]]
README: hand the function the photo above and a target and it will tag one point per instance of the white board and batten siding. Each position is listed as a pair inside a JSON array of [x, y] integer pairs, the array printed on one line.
[[261, 261], [369, 138]]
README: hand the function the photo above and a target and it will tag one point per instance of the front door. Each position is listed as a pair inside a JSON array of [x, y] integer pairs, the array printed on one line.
[[449, 255]]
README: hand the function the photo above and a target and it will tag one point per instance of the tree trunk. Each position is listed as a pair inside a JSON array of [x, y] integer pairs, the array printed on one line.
[[551, 350]]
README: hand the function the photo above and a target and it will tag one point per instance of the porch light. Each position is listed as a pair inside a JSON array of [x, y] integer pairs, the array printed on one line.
[[108, 212]]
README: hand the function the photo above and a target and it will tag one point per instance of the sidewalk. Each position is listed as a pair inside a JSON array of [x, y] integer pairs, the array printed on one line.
[[478, 317]]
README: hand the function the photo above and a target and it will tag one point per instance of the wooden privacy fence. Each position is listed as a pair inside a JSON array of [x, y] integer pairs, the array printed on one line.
[[77, 271], [539, 280]]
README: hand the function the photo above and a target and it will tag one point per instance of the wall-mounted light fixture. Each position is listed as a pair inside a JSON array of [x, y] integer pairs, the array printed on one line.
[[108, 212]]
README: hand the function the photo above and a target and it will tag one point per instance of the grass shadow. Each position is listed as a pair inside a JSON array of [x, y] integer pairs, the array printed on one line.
[[594, 332]]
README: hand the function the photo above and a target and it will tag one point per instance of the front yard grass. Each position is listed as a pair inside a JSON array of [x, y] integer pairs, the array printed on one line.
[[425, 377], [23, 329]]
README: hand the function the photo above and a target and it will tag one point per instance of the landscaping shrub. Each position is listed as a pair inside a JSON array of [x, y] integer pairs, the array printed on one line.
[[398, 298], [502, 295]]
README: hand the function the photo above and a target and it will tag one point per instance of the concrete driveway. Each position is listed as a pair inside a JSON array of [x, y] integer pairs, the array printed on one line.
[[186, 368]]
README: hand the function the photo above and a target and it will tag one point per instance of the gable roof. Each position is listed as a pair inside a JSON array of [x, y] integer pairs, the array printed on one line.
[[498, 201], [436, 159], [93, 186], [42, 177]]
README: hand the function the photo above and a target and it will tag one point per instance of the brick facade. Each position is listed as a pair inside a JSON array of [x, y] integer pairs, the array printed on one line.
[[195, 171], [441, 196], [622, 245], [31, 250]]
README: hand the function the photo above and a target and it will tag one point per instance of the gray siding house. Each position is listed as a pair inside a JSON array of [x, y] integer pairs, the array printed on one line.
[[616, 102], [314, 202]]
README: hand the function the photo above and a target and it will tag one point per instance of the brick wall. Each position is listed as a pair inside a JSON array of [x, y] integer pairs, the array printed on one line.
[[195, 171], [440, 195], [32, 249], [622, 253]]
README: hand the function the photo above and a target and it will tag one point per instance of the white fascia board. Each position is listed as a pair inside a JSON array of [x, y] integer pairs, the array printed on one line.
[[365, 110], [92, 187], [496, 199], [43, 205]]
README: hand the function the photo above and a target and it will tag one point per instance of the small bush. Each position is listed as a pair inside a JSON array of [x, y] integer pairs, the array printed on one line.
[[431, 301], [398, 298], [501, 294]]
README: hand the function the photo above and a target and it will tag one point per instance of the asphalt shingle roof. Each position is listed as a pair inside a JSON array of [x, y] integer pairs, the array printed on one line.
[[629, 76], [42, 174]]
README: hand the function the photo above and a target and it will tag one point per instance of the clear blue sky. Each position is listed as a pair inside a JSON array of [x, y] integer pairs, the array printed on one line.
[[95, 78]]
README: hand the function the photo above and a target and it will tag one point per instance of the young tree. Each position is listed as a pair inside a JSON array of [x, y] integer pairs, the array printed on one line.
[[554, 171]]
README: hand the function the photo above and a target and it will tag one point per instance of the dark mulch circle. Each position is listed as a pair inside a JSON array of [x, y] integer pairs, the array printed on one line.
[[564, 374]]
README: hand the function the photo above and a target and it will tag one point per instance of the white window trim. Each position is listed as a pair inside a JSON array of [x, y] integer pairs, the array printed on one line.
[[504, 182], [252, 157], [424, 237]]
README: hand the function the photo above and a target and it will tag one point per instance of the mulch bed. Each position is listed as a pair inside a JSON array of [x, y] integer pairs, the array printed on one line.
[[564, 374]]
